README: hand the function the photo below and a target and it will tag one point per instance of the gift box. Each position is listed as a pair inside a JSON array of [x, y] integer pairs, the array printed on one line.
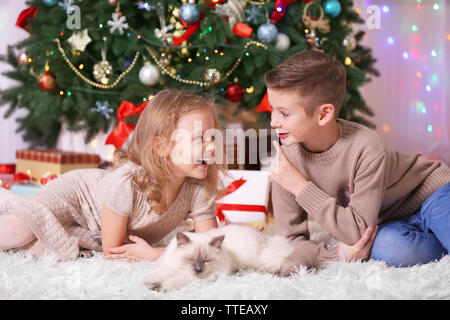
[[245, 198], [24, 189], [40, 163]]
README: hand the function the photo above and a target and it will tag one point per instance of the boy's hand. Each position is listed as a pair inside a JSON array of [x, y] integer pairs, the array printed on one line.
[[285, 174], [361, 249], [139, 250]]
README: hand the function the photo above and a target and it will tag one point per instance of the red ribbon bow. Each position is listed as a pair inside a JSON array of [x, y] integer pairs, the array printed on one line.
[[189, 31], [25, 16], [122, 131], [264, 105], [237, 207]]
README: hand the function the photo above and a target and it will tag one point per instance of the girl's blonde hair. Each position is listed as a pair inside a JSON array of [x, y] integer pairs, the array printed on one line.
[[160, 118]]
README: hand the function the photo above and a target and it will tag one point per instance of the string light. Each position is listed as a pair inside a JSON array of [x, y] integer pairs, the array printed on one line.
[[348, 61]]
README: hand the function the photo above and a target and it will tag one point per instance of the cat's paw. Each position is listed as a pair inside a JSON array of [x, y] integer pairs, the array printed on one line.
[[155, 286]]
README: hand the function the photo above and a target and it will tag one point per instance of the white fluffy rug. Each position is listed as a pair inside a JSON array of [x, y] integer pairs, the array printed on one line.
[[22, 277]]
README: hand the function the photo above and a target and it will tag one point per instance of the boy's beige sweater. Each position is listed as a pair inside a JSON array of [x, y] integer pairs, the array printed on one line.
[[355, 184]]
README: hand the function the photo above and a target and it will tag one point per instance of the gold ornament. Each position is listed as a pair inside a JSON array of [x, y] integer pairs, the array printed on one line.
[[102, 72]]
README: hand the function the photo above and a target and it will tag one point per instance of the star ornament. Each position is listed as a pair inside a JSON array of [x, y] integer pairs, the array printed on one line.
[[79, 40]]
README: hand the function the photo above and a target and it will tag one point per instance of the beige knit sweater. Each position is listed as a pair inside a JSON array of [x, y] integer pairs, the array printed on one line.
[[355, 184]]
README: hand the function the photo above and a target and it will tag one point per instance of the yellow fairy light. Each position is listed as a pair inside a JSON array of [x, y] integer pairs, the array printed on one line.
[[94, 143], [206, 58], [250, 90], [61, 93], [348, 61], [306, 30], [221, 53], [29, 60], [419, 74], [358, 10], [190, 60], [387, 128], [81, 66], [216, 51], [47, 67], [29, 172]]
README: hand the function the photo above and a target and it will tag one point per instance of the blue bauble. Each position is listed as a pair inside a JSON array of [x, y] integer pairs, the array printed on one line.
[[189, 12], [50, 3], [332, 7], [267, 32]]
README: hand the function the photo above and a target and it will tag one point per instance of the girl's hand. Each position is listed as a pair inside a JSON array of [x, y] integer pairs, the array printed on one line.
[[137, 251], [361, 249]]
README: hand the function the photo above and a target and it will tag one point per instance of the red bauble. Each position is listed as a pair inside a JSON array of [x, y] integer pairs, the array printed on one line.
[[47, 81], [234, 92]]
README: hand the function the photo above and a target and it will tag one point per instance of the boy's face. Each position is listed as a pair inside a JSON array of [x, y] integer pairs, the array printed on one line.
[[289, 118]]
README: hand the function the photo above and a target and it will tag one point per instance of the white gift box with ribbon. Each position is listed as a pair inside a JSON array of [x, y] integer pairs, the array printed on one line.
[[245, 198]]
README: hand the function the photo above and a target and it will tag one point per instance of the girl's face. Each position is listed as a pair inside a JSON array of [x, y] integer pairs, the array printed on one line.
[[190, 151]]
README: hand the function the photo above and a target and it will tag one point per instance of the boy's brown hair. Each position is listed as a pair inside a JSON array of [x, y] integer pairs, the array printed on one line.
[[318, 78]]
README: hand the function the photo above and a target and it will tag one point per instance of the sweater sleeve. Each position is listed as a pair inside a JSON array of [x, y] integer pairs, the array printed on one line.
[[348, 224], [203, 205], [117, 192], [291, 222]]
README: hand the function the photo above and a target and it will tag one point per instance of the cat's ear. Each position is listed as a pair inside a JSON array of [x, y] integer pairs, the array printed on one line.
[[217, 241], [182, 239]]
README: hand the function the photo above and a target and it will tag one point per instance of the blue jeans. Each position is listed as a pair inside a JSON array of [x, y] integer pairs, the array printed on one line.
[[420, 238]]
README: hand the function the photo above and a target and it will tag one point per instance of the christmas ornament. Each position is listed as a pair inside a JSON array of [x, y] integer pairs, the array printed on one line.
[[283, 42], [163, 33], [332, 7], [103, 70], [267, 32], [242, 30], [144, 5], [212, 74], [118, 23], [233, 9], [22, 58], [165, 58], [103, 108], [233, 92], [24, 17], [112, 2], [313, 23], [349, 43], [47, 81], [254, 14], [149, 74], [79, 40], [49, 3], [189, 12]]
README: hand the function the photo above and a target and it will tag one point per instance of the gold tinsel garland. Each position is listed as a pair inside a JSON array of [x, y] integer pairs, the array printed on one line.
[[163, 68], [89, 81]]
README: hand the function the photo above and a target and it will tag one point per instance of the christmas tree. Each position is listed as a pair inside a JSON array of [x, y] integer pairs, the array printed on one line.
[[83, 59]]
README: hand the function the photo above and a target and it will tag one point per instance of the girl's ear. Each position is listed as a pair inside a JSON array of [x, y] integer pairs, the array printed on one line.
[[159, 146]]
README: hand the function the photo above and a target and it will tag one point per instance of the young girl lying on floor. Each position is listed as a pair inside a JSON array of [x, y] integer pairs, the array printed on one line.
[[155, 185]]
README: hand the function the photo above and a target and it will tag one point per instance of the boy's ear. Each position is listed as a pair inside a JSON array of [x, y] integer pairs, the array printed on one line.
[[326, 113]]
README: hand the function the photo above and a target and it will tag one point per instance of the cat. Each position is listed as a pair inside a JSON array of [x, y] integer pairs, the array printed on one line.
[[193, 256]]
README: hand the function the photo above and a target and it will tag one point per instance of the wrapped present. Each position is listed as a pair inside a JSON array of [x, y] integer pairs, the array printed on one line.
[[41, 163], [245, 198], [25, 189]]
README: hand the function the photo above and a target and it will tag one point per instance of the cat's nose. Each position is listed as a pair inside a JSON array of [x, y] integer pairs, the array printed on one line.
[[198, 267]]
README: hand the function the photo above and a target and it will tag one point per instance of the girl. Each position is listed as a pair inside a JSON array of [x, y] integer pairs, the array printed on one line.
[[147, 194]]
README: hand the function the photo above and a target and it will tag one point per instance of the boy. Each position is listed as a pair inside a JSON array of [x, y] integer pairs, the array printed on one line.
[[341, 175]]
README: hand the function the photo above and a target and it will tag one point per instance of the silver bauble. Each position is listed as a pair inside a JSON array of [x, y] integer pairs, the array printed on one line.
[[149, 74], [349, 43], [22, 58], [283, 42], [212, 74]]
